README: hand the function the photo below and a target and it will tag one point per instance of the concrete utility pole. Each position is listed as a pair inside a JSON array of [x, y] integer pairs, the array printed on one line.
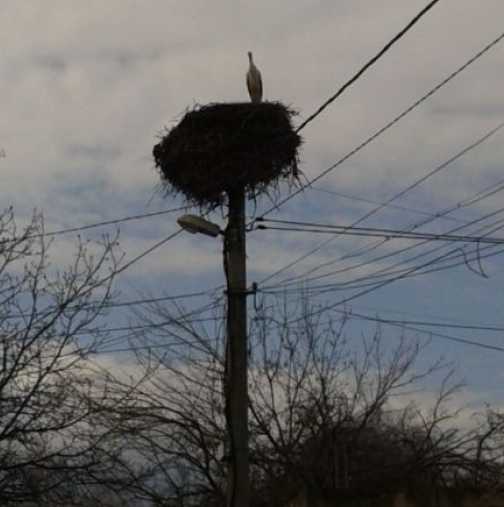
[[238, 494]]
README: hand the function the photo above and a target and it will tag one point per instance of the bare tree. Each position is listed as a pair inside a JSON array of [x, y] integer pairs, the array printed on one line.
[[51, 450], [479, 464], [326, 411], [330, 412], [173, 421]]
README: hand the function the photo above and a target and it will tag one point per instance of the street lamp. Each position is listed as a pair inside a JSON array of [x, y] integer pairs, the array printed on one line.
[[195, 224]]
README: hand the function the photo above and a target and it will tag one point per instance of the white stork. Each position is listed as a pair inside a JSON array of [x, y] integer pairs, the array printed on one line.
[[254, 81]]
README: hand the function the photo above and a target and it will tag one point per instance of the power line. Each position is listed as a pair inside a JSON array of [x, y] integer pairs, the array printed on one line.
[[152, 325], [367, 281], [119, 304], [312, 227], [186, 343], [479, 196], [375, 287], [393, 323], [384, 204], [370, 63], [133, 261], [145, 253], [396, 196], [94, 225], [390, 124], [485, 193], [104, 280], [403, 324], [136, 302], [404, 274], [436, 319], [133, 302], [132, 330], [129, 303], [480, 230], [478, 255], [442, 324]]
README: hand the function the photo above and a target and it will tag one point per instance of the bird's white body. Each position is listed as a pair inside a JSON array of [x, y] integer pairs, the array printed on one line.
[[254, 81]]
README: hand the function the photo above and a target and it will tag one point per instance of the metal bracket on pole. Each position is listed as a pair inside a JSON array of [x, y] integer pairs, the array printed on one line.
[[247, 292]]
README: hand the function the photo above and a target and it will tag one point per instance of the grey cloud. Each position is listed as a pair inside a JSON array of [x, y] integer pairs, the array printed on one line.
[[51, 62], [487, 110], [96, 152]]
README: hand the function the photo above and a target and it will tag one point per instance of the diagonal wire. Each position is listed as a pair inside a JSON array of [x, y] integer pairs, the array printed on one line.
[[495, 226], [389, 125], [379, 233], [481, 195], [394, 323], [369, 64], [94, 225], [396, 196]]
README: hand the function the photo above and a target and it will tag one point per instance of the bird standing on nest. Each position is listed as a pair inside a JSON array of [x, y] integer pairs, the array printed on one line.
[[254, 81]]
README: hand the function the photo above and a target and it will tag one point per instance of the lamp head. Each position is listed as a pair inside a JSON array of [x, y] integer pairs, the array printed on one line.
[[195, 224]]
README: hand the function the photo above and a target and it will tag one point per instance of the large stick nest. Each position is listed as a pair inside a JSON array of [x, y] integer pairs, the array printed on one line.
[[221, 147]]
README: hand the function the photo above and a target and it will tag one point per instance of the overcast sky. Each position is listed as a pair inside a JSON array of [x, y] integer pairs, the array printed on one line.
[[86, 87]]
